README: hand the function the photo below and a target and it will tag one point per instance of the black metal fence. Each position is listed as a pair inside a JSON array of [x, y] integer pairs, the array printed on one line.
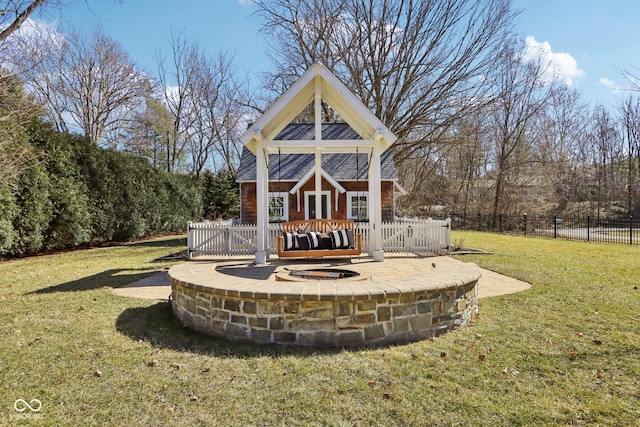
[[570, 227]]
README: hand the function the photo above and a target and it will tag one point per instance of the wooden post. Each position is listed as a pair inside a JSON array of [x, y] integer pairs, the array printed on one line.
[[375, 204], [318, 154], [262, 212]]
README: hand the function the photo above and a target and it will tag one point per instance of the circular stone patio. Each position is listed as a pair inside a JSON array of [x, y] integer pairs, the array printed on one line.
[[395, 301]]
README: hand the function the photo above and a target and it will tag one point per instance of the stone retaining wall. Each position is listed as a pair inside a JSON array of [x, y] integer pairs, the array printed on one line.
[[344, 323]]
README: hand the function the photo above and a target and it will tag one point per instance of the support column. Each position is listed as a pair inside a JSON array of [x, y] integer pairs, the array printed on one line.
[[318, 140], [318, 183], [262, 212], [375, 206]]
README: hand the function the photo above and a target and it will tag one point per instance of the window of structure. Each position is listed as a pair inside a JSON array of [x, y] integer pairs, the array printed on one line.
[[278, 205], [358, 205]]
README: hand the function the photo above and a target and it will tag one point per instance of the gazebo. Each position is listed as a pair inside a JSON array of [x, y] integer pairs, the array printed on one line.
[[316, 85]]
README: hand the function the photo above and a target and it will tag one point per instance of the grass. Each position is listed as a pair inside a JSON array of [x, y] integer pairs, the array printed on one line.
[[564, 352]]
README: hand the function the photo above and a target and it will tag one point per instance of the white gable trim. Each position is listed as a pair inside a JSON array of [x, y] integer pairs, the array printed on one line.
[[317, 82], [400, 189], [324, 174]]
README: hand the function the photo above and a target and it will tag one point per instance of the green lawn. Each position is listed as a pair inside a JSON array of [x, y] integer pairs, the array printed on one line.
[[565, 352]]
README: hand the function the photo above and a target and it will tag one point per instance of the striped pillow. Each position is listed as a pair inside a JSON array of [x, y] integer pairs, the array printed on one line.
[[314, 239], [290, 240], [339, 239]]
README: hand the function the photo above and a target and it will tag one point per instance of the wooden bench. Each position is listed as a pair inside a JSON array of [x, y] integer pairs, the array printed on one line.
[[321, 226]]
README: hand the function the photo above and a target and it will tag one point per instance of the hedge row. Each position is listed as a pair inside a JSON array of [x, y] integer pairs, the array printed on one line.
[[80, 194]]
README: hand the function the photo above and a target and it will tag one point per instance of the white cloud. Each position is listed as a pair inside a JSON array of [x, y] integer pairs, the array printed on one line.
[[608, 83], [561, 65], [245, 2], [616, 87]]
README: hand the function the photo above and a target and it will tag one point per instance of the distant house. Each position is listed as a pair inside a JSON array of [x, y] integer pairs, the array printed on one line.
[[344, 194], [317, 170]]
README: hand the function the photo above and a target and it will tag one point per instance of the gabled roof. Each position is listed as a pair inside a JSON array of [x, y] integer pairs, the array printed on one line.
[[293, 167], [317, 81]]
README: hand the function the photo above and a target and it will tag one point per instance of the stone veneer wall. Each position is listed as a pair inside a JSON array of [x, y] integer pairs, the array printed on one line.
[[343, 323]]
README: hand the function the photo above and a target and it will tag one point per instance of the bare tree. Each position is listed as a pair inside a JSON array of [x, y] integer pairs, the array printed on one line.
[[176, 80], [101, 84], [467, 164], [13, 13], [562, 131], [417, 64], [522, 93], [604, 150], [88, 81], [629, 112], [204, 100], [148, 134]]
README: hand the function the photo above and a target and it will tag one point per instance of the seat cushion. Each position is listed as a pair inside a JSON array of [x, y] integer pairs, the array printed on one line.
[[339, 239], [290, 240]]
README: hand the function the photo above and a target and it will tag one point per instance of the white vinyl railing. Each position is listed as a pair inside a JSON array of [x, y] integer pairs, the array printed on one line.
[[220, 238]]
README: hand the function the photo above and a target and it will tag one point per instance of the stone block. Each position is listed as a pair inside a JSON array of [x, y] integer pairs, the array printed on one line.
[[421, 335], [232, 305], [291, 308], [367, 306], [259, 322], [249, 307], [383, 313], [276, 323], [240, 320], [441, 330], [312, 324], [306, 338], [261, 336], [325, 338], [362, 319], [269, 308], [202, 303], [350, 338], [400, 324], [220, 315], [237, 331], [373, 332], [319, 313], [437, 308], [462, 304], [200, 311], [316, 304], [191, 306], [284, 337], [420, 322], [342, 309], [424, 307], [199, 323], [217, 326], [404, 310], [397, 338], [406, 299]]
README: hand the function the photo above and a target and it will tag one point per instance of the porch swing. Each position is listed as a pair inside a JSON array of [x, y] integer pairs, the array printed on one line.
[[342, 234]]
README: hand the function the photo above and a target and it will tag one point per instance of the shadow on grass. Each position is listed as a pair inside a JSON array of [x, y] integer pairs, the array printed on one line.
[[178, 242], [157, 325], [111, 278]]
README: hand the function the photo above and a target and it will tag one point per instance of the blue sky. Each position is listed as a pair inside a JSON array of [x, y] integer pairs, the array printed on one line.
[[587, 38]]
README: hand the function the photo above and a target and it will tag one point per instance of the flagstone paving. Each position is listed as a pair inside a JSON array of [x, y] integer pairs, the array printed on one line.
[[229, 269]]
